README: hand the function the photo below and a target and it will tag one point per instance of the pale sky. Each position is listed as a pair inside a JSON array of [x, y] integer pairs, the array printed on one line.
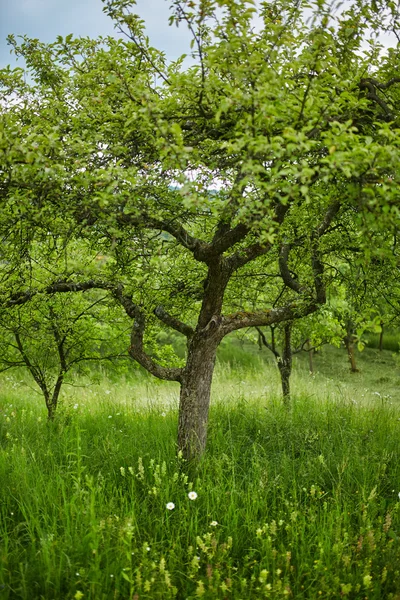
[[45, 19]]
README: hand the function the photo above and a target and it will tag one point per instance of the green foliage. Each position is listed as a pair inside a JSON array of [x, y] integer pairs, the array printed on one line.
[[241, 191], [56, 337], [390, 341]]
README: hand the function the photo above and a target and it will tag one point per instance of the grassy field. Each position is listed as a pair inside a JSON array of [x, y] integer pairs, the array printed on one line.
[[301, 504]]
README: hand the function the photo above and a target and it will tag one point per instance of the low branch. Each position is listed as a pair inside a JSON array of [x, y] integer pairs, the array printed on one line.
[[58, 287], [138, 353], [291, 311], [136, 349], [173, 322]]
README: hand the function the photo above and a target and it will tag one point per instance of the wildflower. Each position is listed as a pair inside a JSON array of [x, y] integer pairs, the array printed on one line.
[[399, 495], [78, 595], [170, 506], [75, 407], [110, 416], [148, 548], [192, 495], [367, 579], [122, 471], [107, 392], [163, 414], [214, 523]]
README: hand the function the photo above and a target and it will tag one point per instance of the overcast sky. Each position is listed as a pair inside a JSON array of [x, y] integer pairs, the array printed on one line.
[[45, 19]]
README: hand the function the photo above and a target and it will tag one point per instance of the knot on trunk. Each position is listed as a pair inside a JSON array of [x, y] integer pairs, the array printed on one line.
[[213, 323]]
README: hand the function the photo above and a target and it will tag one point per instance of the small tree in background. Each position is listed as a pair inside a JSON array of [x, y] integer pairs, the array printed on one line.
[[52, 337]]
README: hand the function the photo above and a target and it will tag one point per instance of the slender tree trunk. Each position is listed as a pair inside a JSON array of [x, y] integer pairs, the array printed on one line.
[[381, 338], [349, 343], [310, 358], [52, 401], [51, 408], [195, 395], [285, 363]]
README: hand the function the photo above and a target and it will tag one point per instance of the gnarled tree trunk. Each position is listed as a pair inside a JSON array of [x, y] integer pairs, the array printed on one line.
[[195, 395]]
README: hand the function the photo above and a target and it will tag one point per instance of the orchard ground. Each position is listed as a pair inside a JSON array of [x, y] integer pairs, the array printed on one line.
[[287, 504]]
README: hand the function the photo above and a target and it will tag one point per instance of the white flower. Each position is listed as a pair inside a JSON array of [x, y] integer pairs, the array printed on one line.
[[399, 495], [107, 392], [110, 416], [192, 495], [170, 506], [148, 548], [76, 406], [214, 523]]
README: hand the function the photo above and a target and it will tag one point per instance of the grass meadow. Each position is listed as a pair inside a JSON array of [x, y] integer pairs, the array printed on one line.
[[299, 504]]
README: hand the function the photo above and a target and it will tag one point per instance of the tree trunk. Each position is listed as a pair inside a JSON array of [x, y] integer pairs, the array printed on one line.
[[349, 343], [310, 358], [381, 338], [195, 395], [285, 363], [51, 407], [51, 411]]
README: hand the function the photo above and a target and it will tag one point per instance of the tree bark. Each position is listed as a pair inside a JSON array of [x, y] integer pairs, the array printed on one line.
[[310, 352], [285, 363], [381, 338], [349, 343], [195, 395]]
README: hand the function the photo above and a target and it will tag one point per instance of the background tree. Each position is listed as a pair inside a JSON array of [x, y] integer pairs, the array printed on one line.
[[54, 336], [293, 125]]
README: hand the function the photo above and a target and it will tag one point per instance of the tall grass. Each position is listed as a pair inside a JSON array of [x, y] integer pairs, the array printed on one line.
[[301, 504]]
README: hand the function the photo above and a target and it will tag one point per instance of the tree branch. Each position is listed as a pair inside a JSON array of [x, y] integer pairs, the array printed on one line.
[[266, 343], [173, 322], [291, 311], [57, 287], [288, 280], [136, 349], [246, 255], [317, 265], [200, 249], [370, 85], [229, 238]]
